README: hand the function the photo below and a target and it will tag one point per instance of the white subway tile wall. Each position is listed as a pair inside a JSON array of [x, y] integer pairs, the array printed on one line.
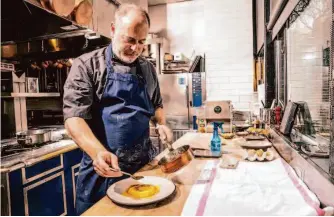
[[307, 77], [222, 29]]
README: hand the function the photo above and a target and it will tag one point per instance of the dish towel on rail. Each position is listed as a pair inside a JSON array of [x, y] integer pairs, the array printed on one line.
[[253, 188]]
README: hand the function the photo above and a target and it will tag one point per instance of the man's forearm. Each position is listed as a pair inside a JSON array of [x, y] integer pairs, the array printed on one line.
[[83, 136], [159, 116]]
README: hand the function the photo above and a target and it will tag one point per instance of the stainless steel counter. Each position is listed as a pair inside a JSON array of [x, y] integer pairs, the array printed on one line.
[[31, 157], [310, 169]]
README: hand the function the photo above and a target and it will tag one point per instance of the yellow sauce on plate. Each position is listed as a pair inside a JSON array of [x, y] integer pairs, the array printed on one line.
[[141, 191]]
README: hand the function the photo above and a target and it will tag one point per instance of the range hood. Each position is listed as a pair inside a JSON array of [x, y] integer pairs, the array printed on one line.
[[26, 21]]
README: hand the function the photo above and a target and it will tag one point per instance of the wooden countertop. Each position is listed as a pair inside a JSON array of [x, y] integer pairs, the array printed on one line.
[[173, 205]]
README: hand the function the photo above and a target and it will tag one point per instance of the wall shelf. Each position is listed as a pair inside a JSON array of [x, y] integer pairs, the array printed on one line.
[[6, 95], [35, 94]]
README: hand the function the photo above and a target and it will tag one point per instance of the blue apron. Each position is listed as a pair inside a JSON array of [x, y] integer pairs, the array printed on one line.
[[121, 123]]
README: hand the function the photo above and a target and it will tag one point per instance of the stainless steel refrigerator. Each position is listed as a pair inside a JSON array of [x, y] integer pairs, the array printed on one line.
[[181, 93]]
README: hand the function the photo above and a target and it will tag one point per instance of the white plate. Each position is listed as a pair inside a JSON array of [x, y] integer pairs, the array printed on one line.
[[243, 133], [256, 144], [252, 137], [115, 191]]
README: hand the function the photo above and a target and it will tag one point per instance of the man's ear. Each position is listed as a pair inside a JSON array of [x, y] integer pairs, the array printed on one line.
[[112, 29]]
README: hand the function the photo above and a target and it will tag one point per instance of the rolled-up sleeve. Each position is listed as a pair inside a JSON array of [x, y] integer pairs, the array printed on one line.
[[78, 92]]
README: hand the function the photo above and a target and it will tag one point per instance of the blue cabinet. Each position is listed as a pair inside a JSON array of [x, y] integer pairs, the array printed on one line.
[[46, 188], [46, 197]]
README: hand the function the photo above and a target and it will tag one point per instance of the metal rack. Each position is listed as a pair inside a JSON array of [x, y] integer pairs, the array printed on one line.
[[20, 109], [160, 49]]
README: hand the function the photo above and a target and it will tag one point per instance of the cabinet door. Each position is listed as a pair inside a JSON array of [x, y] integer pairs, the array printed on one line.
[[71, 162], [45, 188], [42, 169], [46, 197]]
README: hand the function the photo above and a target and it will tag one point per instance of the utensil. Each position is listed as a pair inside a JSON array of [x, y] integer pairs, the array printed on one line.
[[33, 65], [243, 133], [175, 159], [55, 64], [242, 126], [255, 137], [256, 144], [227, 135], [33, 137], [61, 7], [125, 173], [116, 190], [68, 62], [60, 65], [83, 13], [9, 50]]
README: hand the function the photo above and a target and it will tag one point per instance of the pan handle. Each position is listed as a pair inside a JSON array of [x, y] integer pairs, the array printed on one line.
[[169, 146]]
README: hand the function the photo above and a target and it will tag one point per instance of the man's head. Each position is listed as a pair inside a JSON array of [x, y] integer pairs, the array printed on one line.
[[129, 32]]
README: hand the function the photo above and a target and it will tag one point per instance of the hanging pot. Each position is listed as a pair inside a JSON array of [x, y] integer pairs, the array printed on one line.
[[60, 64], [55, 64], [83, 12], [8, 51], [33, 65], [55, 44], [69, 62], [61, 7], [45, 64]]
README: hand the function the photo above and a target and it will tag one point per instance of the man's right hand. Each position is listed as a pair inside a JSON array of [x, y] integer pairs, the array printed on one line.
[[102, 163], [83, 136]]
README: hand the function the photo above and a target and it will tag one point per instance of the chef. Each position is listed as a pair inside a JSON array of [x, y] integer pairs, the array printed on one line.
[[110, 96]]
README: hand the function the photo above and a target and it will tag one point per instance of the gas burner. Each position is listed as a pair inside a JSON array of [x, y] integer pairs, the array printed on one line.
[[8, 152], [10, 147]]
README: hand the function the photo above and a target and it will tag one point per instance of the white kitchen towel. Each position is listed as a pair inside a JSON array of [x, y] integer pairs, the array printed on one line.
[[253, 188]]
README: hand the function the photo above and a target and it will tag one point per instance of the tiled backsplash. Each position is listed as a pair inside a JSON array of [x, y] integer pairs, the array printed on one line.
[[307, 78], [222, 29]]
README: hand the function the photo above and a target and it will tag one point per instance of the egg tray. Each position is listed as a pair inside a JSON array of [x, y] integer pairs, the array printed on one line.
[[256, 157]]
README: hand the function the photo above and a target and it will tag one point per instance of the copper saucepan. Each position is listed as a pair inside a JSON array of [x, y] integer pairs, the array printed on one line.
[[175, 159]]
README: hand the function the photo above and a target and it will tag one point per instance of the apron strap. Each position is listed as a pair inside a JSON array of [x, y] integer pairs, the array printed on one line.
[[139, 73]]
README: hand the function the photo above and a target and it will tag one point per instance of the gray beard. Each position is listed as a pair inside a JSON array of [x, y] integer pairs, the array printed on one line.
[[116, 53]]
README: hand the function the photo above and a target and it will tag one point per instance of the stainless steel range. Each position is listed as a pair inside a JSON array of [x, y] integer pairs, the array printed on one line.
[[15, 146], [10, 147]]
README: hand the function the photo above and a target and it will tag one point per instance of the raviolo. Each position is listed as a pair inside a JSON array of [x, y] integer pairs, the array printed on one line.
[[140, 191]]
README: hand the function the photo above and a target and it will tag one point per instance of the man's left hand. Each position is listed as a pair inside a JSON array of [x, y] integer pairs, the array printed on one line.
[[165, 134]]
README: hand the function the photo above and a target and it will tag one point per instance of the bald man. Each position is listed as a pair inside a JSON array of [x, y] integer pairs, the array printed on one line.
[[110, 96]]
